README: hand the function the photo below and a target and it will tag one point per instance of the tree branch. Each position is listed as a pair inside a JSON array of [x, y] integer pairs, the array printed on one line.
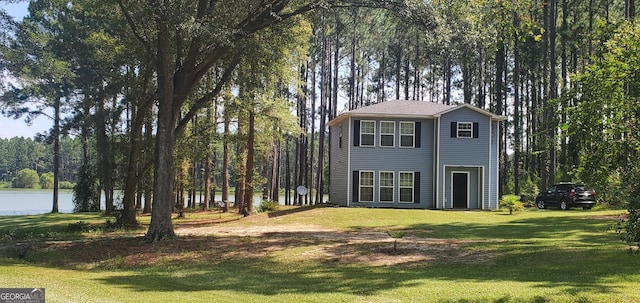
[[133, 26], [204, 100]]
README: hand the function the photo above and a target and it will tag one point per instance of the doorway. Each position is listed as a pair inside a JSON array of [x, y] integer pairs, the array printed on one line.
[[460, 190]]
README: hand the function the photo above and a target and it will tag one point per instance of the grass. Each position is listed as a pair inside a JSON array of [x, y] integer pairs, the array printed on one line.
[[445, 256]]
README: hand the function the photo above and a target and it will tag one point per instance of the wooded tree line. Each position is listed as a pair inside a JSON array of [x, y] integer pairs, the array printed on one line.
[[174, 93], [19, 153]]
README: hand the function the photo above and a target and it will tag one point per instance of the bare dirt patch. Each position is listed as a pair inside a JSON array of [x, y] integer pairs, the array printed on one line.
[[372, 248], [216, 242]]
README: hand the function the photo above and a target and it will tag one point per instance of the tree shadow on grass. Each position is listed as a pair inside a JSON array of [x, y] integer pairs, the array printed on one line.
[[303, 262], [587, 230], [264, 277], [261, 265]]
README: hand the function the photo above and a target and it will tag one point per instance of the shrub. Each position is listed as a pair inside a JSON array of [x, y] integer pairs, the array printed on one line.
[[86, 193], [26, 178], [629, 227], [79, 226], [46, 180], [396, 235], [66, 185], [511, 202], [268, 205]]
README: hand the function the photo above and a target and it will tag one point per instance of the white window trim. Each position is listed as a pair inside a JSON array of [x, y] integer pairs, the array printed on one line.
[[372, 186], [393, 134], [413, 186], [470, 130], [363, 133], [413, 135], [380, 187]]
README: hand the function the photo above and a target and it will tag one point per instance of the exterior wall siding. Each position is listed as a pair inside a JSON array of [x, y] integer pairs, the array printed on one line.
[[436, 159], [466, 154], [339, 165], [475, 194], [396, 159], [493, 193]]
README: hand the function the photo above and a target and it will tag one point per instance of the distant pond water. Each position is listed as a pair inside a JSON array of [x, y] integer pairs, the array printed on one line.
[[14, 202], [33, 201]]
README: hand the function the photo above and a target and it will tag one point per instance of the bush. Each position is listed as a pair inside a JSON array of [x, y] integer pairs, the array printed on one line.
[[268, 205], [66, 185], [46, 180], [629, 227], [26, 178], [511, 202], [79, 226]]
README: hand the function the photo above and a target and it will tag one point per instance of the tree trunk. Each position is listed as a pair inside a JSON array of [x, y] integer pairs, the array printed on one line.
[[207, 162], [549, 110], [352, 77], [498, 96], [516, 111], [128, 214], [287, 182], [146, 171], [104, 155], [398, 54], [275, 173], [225, 161], [248, 193], [447, 80], [161, 226], [407, 69], [241, 163], [56, 154]]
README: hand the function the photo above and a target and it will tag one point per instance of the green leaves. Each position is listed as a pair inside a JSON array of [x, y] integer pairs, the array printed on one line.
[[607, 113]]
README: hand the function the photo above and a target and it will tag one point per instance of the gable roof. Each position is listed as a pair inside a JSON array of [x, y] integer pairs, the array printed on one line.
[[476, 109], [408, 109]]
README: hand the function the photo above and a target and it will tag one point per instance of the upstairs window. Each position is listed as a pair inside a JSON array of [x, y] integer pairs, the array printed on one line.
[[387, 133], [407, 134], [367, 133], [464, 130]]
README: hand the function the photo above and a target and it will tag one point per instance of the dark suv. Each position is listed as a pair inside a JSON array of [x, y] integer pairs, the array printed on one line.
[[566, 195]]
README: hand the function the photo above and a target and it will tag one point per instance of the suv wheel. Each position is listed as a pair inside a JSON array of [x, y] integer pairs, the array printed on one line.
[[564, 205], [541, 204]]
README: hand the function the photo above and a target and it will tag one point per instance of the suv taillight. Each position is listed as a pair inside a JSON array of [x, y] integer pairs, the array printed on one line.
[[572, 193]]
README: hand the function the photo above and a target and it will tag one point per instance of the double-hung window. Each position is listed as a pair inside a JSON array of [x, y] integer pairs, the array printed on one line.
[[407, 134], [406, 187], [367, 133], [465, 130], [366, 186], [386, 186], [387, 133]]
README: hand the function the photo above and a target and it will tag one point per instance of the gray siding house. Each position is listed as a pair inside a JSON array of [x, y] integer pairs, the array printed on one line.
[[415, 154]]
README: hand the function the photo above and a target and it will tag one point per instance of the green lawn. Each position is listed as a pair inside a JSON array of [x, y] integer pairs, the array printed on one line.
[[445, 256]]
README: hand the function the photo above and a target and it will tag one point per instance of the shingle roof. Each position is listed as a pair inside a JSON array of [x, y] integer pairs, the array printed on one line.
[[407, 108], [402, 107]]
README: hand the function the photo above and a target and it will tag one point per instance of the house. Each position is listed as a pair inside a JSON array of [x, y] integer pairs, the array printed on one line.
[[415, 154]]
